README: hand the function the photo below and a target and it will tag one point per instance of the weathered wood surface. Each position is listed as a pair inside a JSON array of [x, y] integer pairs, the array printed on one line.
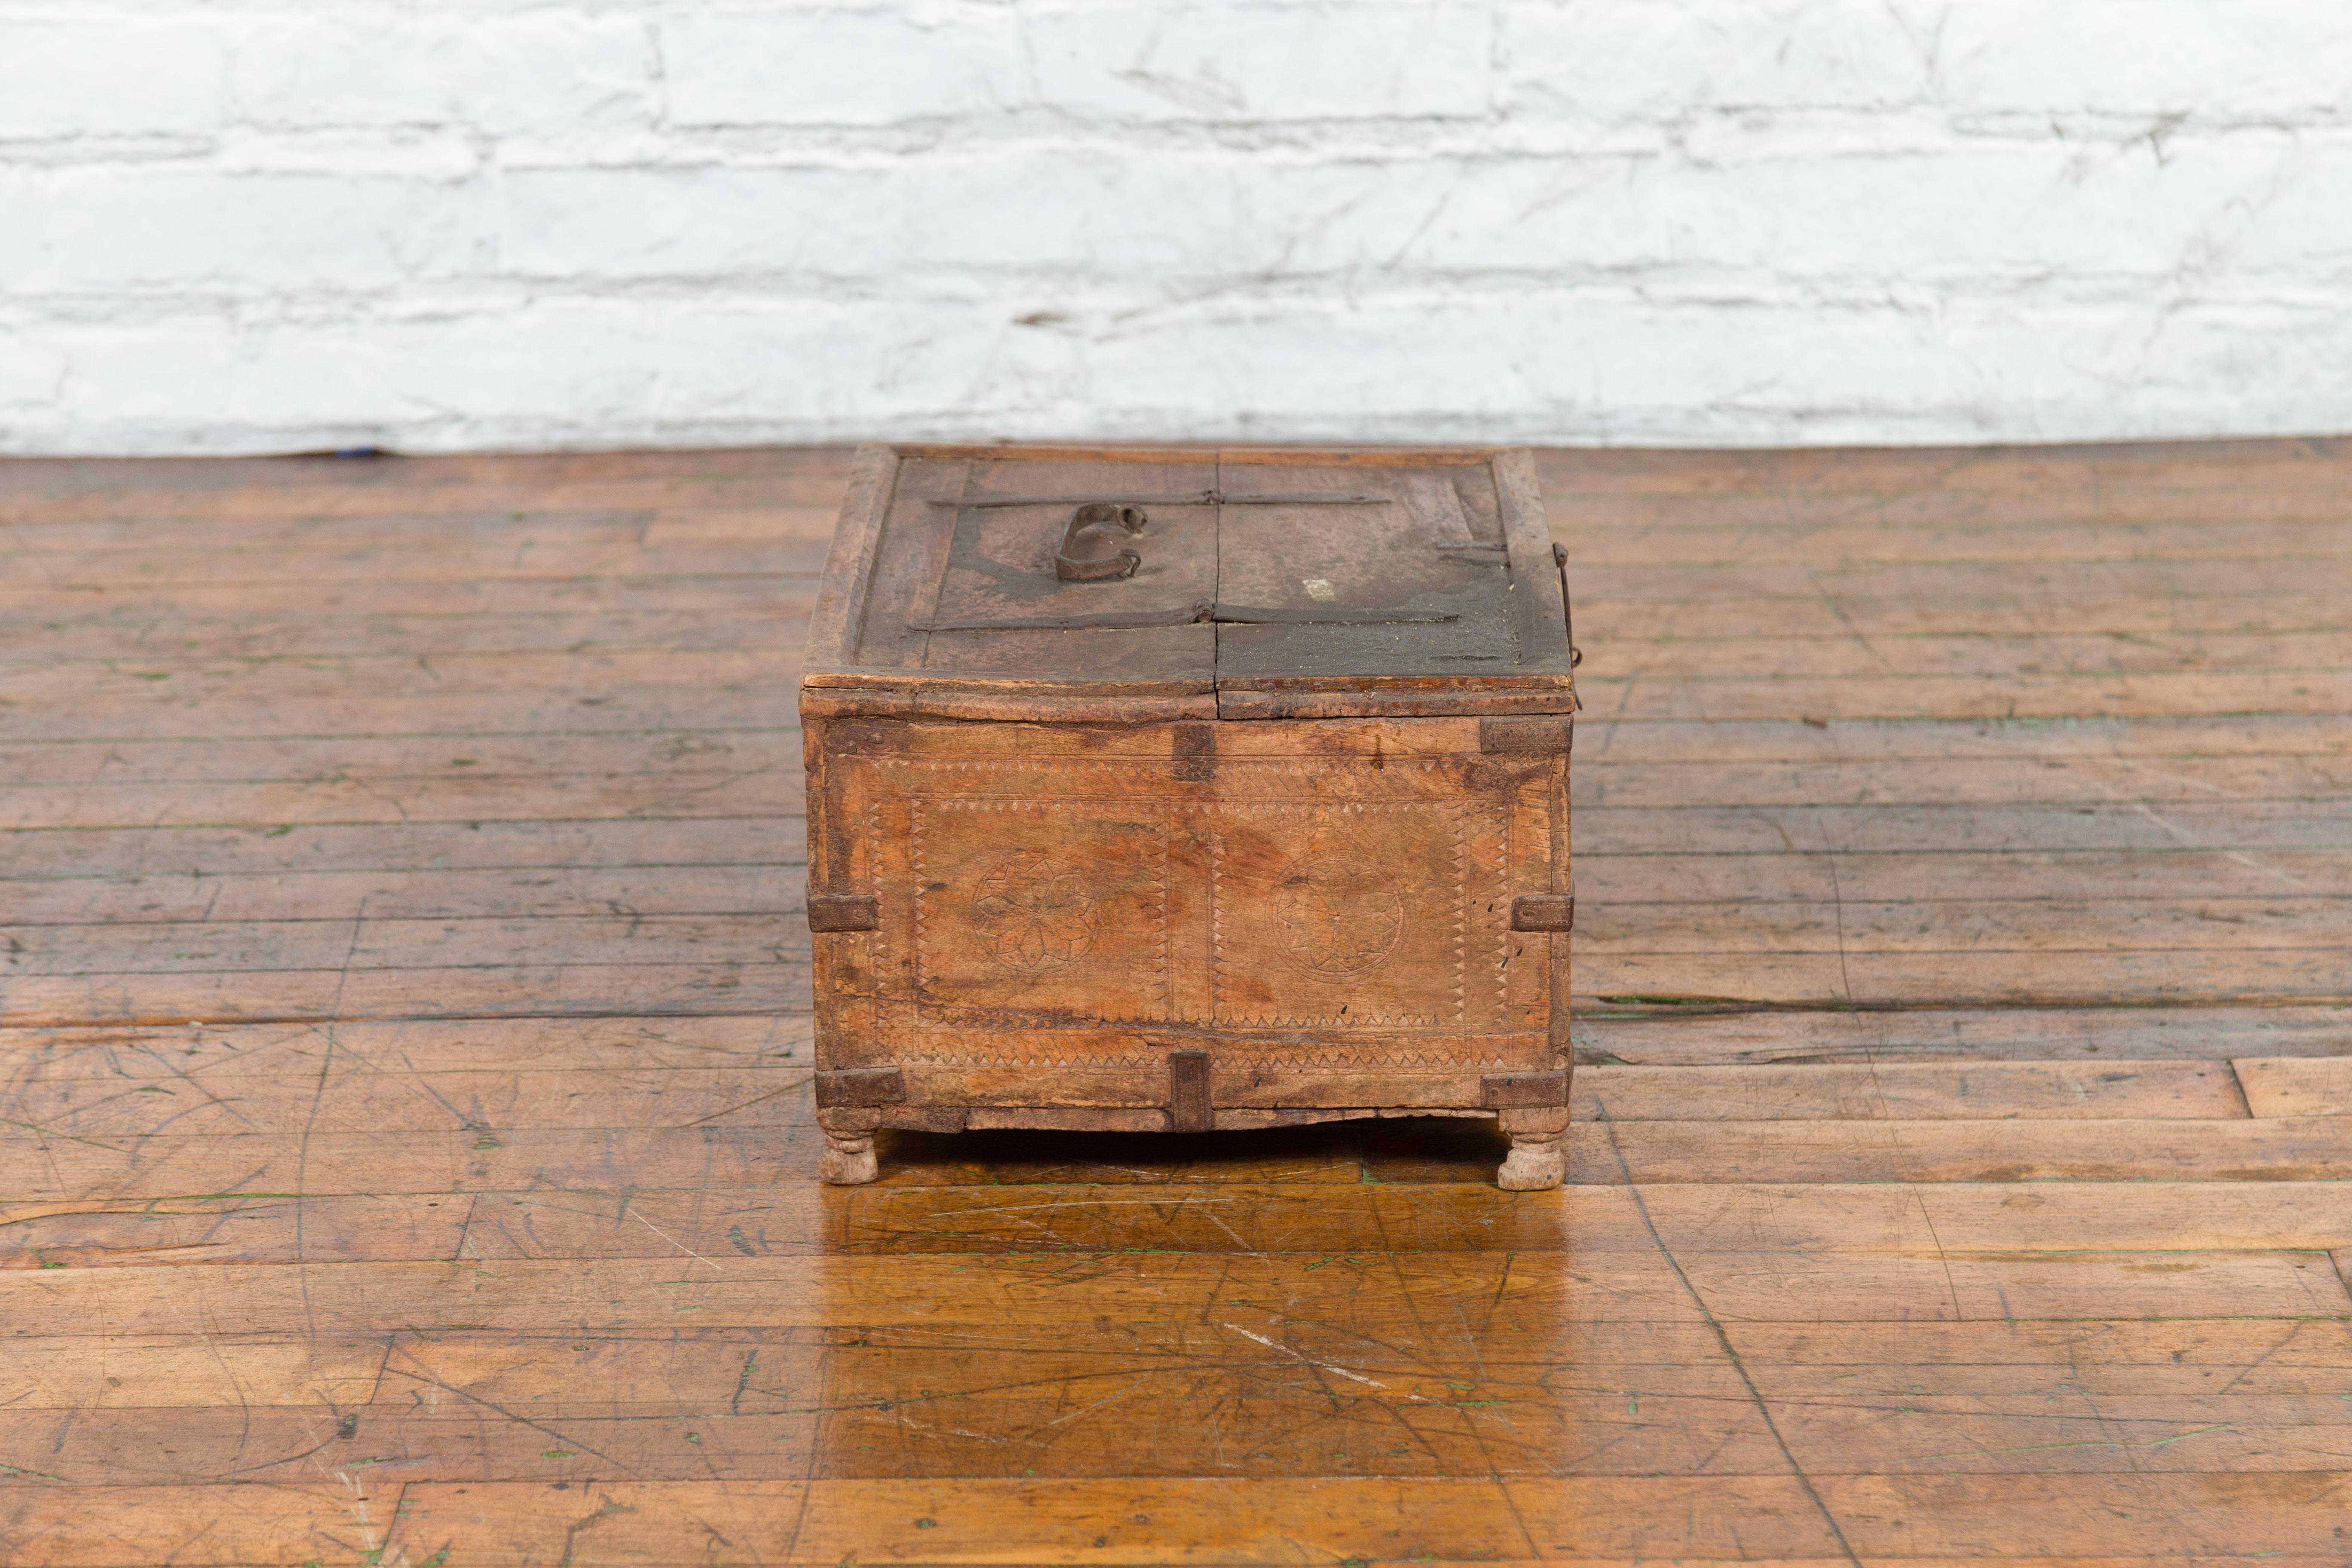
[[407, 1152], [1089, 913]]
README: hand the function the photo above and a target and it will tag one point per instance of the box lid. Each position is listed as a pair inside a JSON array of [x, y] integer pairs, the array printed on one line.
[[1131, 584]]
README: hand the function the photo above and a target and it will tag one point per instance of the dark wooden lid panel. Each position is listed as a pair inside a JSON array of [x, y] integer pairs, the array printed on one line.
[[1000, 579], [959, 577], [1422, 582], [905, 557], [1407, 575]]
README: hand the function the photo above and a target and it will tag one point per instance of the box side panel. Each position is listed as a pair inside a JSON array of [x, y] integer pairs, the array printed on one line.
[[1324, 908]]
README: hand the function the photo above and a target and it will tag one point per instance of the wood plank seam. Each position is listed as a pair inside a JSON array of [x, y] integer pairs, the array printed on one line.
[[1729, 1351]]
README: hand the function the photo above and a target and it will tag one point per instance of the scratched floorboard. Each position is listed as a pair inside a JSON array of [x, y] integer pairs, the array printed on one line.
[[405, 1146]]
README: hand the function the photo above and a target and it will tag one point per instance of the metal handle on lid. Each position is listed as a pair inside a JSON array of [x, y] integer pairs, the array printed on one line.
[[1094, 547], [1567, 610]]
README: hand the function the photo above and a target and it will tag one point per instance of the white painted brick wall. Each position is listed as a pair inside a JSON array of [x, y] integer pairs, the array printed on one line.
[[255, 225]]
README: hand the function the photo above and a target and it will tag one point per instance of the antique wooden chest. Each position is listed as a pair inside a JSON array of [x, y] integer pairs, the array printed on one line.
[[1171, 790]]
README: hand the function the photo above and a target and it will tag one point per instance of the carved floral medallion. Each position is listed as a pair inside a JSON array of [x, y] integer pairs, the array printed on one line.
[[1339, 915], [1035, 912]]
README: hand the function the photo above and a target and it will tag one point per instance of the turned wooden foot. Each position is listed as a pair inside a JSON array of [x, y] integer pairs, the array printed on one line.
[[848, 1158], [1539, 1157], [1536, 1161]]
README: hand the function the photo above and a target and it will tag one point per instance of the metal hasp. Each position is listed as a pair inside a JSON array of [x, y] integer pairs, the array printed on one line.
[[1566, 608], [1544, 911], [861, 1086], [1188, 1092], [845, 911], [1094, 547]]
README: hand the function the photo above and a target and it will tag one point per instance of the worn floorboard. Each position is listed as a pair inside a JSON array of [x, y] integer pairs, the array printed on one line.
[[406, 1153]]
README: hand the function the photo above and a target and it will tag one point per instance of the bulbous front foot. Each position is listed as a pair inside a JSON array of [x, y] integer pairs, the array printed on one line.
[[848, 1158], [1535, 1163]]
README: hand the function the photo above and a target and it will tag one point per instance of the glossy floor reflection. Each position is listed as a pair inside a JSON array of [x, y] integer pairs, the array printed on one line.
[[1346, 1301]]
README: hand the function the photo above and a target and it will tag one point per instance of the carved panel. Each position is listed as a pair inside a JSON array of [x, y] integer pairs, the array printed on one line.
[[1338, 910], [1054, 911], [1339, 914]]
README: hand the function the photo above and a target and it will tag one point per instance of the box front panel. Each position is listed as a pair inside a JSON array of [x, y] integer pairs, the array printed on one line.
[[1353, 915], [1039, 913], [1059, 907]]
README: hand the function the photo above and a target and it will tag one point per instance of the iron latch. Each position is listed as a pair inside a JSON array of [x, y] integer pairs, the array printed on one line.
[[1544, 911], [843, 912]]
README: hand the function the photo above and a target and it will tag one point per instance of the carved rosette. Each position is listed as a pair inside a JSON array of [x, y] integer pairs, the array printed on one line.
[[1036, 912], [1339, 915]]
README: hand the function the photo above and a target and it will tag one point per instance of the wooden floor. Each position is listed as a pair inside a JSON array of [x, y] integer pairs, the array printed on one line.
[[404, 1038]]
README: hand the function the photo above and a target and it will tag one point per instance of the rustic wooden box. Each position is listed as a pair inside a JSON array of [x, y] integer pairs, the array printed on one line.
[[1169, 790]]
